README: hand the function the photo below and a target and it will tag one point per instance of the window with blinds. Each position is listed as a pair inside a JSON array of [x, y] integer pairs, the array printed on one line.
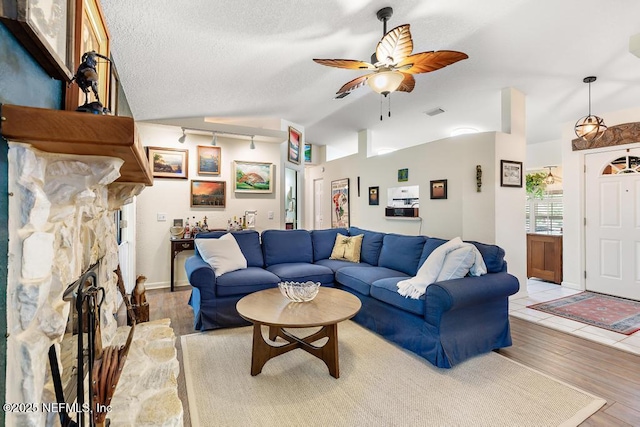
[[545, 215]]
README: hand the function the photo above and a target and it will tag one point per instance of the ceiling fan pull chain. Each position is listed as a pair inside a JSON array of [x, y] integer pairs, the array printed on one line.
[[380, 107], [389, 105]]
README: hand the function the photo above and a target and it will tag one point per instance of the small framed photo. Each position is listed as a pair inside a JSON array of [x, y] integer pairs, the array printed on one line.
[[307, 153], [374, 200], [251, 218], [178, 222], [209, 160], [168, 162], [208, 193], [252, 177], [403, 175], [510, 173], [294, 145], [438, 189]]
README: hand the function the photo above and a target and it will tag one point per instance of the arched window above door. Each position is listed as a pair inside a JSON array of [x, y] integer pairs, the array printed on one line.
[[625, 164]]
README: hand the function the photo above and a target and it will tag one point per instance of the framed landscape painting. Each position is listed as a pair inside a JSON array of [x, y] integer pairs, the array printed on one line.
[[208, 193], [340, 203], [209, 160], [168, 162], [294, 145], [253, 177]]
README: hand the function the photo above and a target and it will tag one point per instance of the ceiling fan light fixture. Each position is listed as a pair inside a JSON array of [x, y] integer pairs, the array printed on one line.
[[590, 127], [385, 82]]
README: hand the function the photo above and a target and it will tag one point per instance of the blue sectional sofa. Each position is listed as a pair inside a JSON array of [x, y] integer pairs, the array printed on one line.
[[453, 321]]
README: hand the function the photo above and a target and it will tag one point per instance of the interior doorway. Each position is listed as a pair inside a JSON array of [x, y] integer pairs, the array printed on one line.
[[290, 199], [318, 223], [612, 223]]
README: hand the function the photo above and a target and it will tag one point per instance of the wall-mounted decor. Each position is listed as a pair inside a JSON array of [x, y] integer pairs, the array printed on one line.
[[340, 203], [403, 175], [44, 31], [250, 217], [208, 193], [90, 35], [168, 162], [294, 145], [307, 153], [438, 189], [510, 173], [209, 160], [374, 200], [478, 178], [253, 177]]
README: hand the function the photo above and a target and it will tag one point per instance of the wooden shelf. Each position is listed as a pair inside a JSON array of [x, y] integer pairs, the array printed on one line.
[[70, 132]]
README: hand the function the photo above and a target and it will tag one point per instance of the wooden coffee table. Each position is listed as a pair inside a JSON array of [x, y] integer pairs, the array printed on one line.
[[272, 309]]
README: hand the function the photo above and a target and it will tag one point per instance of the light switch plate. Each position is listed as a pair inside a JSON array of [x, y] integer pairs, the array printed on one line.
[[162, 217]]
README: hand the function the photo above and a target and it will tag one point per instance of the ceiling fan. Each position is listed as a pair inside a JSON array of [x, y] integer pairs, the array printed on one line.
[[392, 64]]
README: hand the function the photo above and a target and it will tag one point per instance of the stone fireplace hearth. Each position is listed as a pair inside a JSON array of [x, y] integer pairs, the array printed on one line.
[[61, 222]]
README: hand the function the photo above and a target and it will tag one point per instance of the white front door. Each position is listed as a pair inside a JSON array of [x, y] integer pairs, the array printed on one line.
[[612, 226]]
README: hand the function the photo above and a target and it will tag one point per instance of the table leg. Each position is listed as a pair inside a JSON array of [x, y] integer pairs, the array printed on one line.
[[173, 261]]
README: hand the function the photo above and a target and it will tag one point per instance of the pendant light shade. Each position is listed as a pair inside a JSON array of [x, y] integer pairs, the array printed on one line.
[[385, 82], [550, 179], [590, 127]]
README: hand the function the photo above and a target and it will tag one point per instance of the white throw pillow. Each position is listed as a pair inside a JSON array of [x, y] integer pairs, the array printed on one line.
[[457, 263], [223, 254]]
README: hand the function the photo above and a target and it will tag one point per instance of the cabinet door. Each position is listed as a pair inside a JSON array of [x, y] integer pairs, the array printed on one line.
[[544, 257]]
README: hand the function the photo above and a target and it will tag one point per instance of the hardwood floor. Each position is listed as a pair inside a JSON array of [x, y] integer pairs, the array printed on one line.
[[601, 370]]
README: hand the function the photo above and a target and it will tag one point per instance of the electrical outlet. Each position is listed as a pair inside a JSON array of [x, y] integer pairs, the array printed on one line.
[[270, 215], [162, 217]]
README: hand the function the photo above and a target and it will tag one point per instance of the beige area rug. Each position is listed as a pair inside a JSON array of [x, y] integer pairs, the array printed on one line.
[[380, 384]]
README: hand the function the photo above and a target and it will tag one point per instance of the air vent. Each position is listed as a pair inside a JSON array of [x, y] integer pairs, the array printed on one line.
[[434, 112]]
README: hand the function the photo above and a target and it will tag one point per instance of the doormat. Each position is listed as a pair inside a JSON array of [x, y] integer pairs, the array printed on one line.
[[604, 311]]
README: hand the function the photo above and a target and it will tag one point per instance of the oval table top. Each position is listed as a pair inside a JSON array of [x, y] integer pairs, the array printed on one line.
[[270, 307]]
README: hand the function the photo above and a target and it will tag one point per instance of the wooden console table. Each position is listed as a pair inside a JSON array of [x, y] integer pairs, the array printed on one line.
[[177, 246], [544, 257]]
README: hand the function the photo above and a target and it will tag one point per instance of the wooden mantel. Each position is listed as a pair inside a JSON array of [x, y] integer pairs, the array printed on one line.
[[70, 132]]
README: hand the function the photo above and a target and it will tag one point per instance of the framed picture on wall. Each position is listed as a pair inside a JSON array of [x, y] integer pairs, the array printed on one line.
[[403, 175], [45, 29], [438, 189], [211, 194], [510, 173], [340, 203], [307, 153], [294, 145], [374, 199], [168, 162], [209, 160], [252, 177]]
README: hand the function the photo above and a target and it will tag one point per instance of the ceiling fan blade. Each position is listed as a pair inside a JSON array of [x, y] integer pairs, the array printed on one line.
[[354, 84], [407, 84], [350, 64], [395, 45], [425, 62]]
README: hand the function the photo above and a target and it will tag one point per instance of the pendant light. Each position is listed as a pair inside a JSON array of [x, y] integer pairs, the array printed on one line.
[[590, 128], [550, 179], [183, 137]]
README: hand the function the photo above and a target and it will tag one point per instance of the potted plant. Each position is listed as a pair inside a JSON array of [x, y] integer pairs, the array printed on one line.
[[535, 185]]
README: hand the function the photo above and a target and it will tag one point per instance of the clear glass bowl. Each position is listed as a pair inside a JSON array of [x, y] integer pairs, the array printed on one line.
[[299, 291]]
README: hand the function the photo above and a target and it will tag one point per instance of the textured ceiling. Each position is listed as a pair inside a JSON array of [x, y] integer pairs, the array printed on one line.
[[249, 63]]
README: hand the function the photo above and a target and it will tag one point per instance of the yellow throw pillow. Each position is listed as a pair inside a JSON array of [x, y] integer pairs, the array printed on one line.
[[347, 248]]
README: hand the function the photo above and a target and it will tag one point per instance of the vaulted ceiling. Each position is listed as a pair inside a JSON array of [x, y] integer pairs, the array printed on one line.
[[249, 63]]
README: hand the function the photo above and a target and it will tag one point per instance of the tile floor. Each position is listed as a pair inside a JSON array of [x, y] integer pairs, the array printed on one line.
[[540, 291]]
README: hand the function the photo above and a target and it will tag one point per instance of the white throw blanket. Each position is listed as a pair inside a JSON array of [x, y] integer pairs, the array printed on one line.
[[450, 260]]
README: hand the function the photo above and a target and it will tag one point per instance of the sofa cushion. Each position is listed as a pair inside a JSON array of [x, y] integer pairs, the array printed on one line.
[[301, 272], [222, 254], [347, 248], [360, 279], [337, 264], [371, 244], [457, 263], [286, 246], [492, 255], [401, 253], [248, 240], [385, 290], [241, 282], [323, 241]]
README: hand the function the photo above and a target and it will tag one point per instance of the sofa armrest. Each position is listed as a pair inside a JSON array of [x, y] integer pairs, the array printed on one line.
[[199, 273], [449, 295]]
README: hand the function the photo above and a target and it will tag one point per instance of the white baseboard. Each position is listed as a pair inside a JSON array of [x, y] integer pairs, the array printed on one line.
[[166, 285]]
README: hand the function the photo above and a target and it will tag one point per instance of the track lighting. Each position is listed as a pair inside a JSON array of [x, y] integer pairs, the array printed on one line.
[[252, 145], [183, 137]]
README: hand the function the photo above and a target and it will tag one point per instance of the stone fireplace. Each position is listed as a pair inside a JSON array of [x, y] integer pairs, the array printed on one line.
[[61, 222]]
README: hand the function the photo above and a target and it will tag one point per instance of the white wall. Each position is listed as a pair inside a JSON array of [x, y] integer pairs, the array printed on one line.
[[543, 154], [573, 253], [172, 197]]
